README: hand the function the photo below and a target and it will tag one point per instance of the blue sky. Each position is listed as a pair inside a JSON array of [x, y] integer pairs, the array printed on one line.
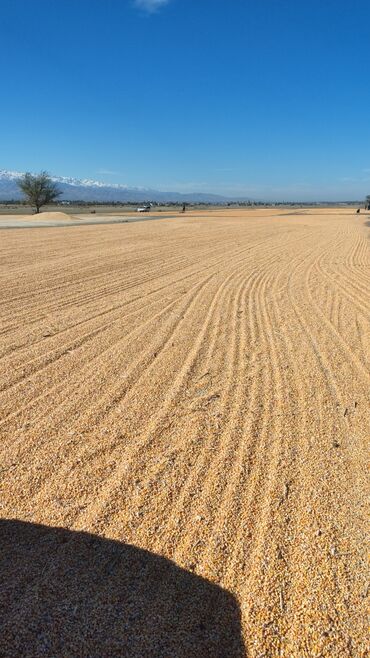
[[259, 98]]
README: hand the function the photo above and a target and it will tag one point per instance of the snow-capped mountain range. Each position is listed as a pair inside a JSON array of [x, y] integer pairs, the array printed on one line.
[[74, 189]]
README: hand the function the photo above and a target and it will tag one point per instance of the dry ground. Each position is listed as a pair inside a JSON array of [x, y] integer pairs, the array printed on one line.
[[186, 400]]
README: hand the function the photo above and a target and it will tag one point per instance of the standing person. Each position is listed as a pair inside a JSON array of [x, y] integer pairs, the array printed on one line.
[[183, 207]]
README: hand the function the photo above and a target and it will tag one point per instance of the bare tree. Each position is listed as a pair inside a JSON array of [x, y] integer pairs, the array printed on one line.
[[38, 190]]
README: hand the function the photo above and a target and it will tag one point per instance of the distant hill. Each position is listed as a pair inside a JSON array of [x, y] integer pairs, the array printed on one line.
[[90, 190]]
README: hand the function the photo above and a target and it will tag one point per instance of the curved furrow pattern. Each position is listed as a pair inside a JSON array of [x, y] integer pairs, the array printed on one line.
[[135, 476], [101, 407]]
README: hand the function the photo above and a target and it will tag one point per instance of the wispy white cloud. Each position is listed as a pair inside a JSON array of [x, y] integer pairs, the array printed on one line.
[[108, 172], [151, 6], [364, 177], [183, 186]]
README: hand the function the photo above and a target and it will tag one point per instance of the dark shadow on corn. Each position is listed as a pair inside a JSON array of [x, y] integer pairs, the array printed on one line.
[[72, 594]]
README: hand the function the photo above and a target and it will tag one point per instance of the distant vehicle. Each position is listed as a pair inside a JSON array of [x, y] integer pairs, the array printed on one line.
[[144, 208]]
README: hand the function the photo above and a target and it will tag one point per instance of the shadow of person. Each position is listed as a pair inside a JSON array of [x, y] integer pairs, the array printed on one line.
[[72, 594]]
